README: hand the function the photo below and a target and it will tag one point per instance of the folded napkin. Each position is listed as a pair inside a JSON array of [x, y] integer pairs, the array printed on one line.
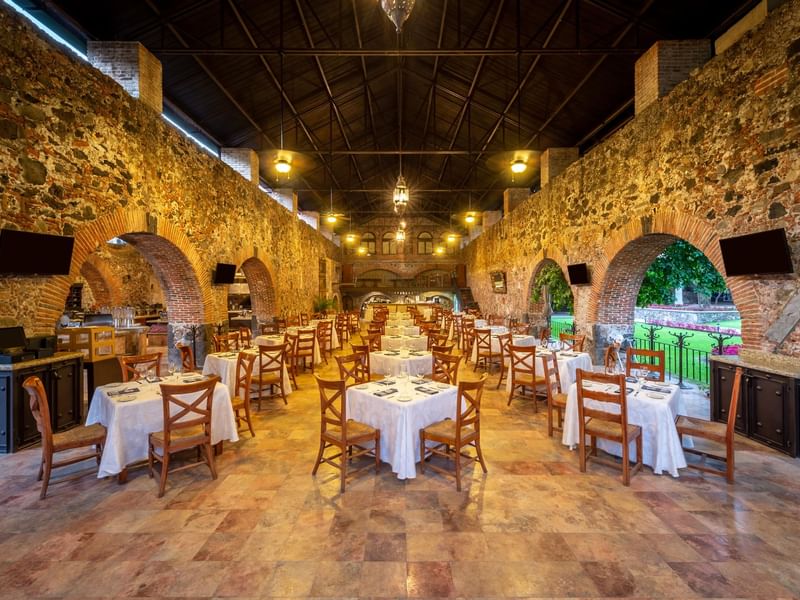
[[416, 354], [153, 379], [123, 391], [193, 379], [655, 388], [391, 353], [385, 382], [419, 381], [426, 390], [388, 392], [631, 379], [568, 354]]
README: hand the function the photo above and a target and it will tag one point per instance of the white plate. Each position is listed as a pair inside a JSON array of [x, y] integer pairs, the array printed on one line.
[[362, 386], [403, 398], [111, 386], [441, 386], [126, 398], [656, 396]]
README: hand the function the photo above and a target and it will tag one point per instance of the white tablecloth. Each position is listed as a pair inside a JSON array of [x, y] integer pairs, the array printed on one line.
[[399, 316], [405, 322], [400, 422], [334, 335], [568, 365], [224, 365], [129, 423], [410, 342], [522, 340], [402, 330], [270, 340], [388, 364], [661, 448]]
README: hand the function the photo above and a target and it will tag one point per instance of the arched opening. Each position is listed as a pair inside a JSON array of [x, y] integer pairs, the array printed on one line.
[[643, 297], [261, 289], [550, 300], [103, 290], [435, 278]]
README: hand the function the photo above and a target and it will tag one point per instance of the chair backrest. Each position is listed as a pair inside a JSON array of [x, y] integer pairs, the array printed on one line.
[[734, 405], [374, 341], [244, 374], [37, 399], [245, 337], [443, 349], [280, 323], [379, 326], [325, 333], [653, 363], [271, 360], [445, 367], [333, 407], [496, 320], [595, 393], [293, 321], [353, 368], [188, 405], [505, 346], [521, 329], [468, 406], [362, 349], [483, 338], [303, 319], [611, 358], [306, 340], [522, 363], [552, 381], [544, 336], [187, 358], [136, 366], [469, 339], [572, 341], [290, 342]]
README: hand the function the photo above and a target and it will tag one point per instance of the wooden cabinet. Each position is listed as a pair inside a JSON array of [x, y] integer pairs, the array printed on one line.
[[63, 382], [768, 405]]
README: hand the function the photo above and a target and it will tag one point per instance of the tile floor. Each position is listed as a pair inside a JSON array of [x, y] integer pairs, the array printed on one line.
[[532, 527]]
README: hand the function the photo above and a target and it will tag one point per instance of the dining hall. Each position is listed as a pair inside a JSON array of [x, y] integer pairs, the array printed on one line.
[[399, 298]]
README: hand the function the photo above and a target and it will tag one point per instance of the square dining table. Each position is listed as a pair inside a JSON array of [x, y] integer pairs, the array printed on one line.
[[224, 365], [391, 362], [130, 417], [654, 407], [400, 414], [409, 342], [568, 364]]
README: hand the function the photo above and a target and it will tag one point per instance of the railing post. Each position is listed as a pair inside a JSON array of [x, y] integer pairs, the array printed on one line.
[[651, 334], [720, 339], [681, 343]]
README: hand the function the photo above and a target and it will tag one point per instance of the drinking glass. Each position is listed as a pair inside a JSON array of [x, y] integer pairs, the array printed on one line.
[[171, 366]]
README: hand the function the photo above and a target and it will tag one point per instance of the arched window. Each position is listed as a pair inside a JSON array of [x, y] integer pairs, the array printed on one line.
[[368, 241], [424, 243], [388, 243]]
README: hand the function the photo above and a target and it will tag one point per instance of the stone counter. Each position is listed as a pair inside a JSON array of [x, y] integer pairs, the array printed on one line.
[[777, 367], [38, 362]]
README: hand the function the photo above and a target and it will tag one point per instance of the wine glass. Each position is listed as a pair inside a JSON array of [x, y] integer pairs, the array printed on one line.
[[171, 367], [141, 372]]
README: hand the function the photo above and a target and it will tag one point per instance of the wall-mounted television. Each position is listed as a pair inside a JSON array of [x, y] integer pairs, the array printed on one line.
[[498, 282], [224, 273], [578, 274], [762, 253], [28, 253]]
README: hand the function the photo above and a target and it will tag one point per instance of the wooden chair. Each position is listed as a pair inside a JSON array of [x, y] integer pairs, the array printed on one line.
[[363, 349], [467, 343], [521, 329], [457, 329], [544, 336], [377, 326], [187, 358], [654, 367], [306, 343], [374, 341], [556, 400], [505, 356], [444, 348], [523, 374], [342, 329], [83, 436], [187, 424], [304, 319], [135, 367], [354, 368], [613, 426], [280, 324], [721, 433], [290, 343], [293, 321], [325, 339], [450, 437], [496, 320], [337, 431], [611, 359], [245, 338], [269, 328], [484, 353], [572, 342], [269, 373], [241, 390], [226, 342], [436, 339], [445, 367]]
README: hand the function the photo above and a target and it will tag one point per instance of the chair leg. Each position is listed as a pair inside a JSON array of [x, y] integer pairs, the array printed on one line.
[[549, 421], [344, 461], [480, 455], [41, 470], [378, 452], [150, 460], [582, 452], [48, 467], [164, 470], [422, 451], [249, 417], [626, 465], [458, 469], [210, 460], [319, 456], [729, 462], [511, 395]]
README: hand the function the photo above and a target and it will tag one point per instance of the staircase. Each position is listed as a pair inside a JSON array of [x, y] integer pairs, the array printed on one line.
[[465, 298]]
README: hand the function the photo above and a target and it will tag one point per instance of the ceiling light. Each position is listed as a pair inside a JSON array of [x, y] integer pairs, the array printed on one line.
[[439, 249], [331, 219], [400, 194], [451, 238], [518, 166], [282, 165], [470, 218], [362, 249], [397, 11], [351, 237]]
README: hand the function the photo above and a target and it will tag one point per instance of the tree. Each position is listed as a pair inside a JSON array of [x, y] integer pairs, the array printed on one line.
[[558, 290], [680, 265]]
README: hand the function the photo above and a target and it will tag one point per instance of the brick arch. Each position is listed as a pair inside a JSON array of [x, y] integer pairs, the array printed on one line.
[[542, 260], [177, 265], [104, 284], [618, 273], [262, 288]]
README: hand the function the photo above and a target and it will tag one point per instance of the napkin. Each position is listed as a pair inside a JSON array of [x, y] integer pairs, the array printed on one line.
[[153, 379], [123, 391], [385, 382], [419, 381], [426, 390], [193, 379], [568, 354], [388, 392], [655, 388]]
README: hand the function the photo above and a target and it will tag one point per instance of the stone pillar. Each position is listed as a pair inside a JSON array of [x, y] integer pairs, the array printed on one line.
[[555, 161], [750, 21], [513, 197], [132, 66], [490, 217], [242, 160], [665, 65]]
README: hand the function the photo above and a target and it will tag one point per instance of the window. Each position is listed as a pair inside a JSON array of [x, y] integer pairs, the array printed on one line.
[[368, 241], [388, 244], [424, 243]]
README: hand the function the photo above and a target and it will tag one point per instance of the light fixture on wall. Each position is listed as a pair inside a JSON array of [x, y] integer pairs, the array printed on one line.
[[400, 234], [439, 249], [451, 238], [362, 250], [397, 11]]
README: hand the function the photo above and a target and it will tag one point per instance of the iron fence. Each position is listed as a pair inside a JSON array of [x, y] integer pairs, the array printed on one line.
[[696, 367], [557, 327]]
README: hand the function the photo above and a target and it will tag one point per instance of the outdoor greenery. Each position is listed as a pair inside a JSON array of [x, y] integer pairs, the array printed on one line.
[[558, 290], [680, 265], [321, 304]]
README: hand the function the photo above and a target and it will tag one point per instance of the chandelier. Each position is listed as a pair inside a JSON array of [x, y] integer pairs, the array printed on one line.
[[400, 195], [397, 11]]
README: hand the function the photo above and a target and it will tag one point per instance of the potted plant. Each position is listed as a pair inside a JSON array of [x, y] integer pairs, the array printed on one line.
[[322, 304]]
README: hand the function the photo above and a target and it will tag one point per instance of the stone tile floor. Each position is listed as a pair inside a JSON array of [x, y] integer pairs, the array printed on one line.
[[534, 526]]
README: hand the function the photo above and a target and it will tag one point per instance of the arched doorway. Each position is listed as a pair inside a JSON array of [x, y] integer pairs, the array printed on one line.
[[262, 289], [104, 286], [550, 298]]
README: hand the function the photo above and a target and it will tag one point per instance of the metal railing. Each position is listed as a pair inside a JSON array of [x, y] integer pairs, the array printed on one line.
[[557, 327], [680, 363]]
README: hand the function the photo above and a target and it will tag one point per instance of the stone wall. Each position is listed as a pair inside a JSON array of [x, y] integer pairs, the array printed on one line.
[[79, 156], [718, 156]]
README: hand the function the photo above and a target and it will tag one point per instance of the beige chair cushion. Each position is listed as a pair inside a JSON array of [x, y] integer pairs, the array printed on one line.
[[702, 428], [609, 430], [183, 436], [78, 437], [447, 430], [355, 431]]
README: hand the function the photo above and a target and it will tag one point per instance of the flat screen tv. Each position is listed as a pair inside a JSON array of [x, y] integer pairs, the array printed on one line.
[[765, 252], [578, 274], [224, 273], [498, 282], [28, 253]]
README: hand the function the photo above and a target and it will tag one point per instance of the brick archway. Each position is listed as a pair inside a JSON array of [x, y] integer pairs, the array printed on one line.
[[262, 289], [186, 284], [104, 284], [618, 274]]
